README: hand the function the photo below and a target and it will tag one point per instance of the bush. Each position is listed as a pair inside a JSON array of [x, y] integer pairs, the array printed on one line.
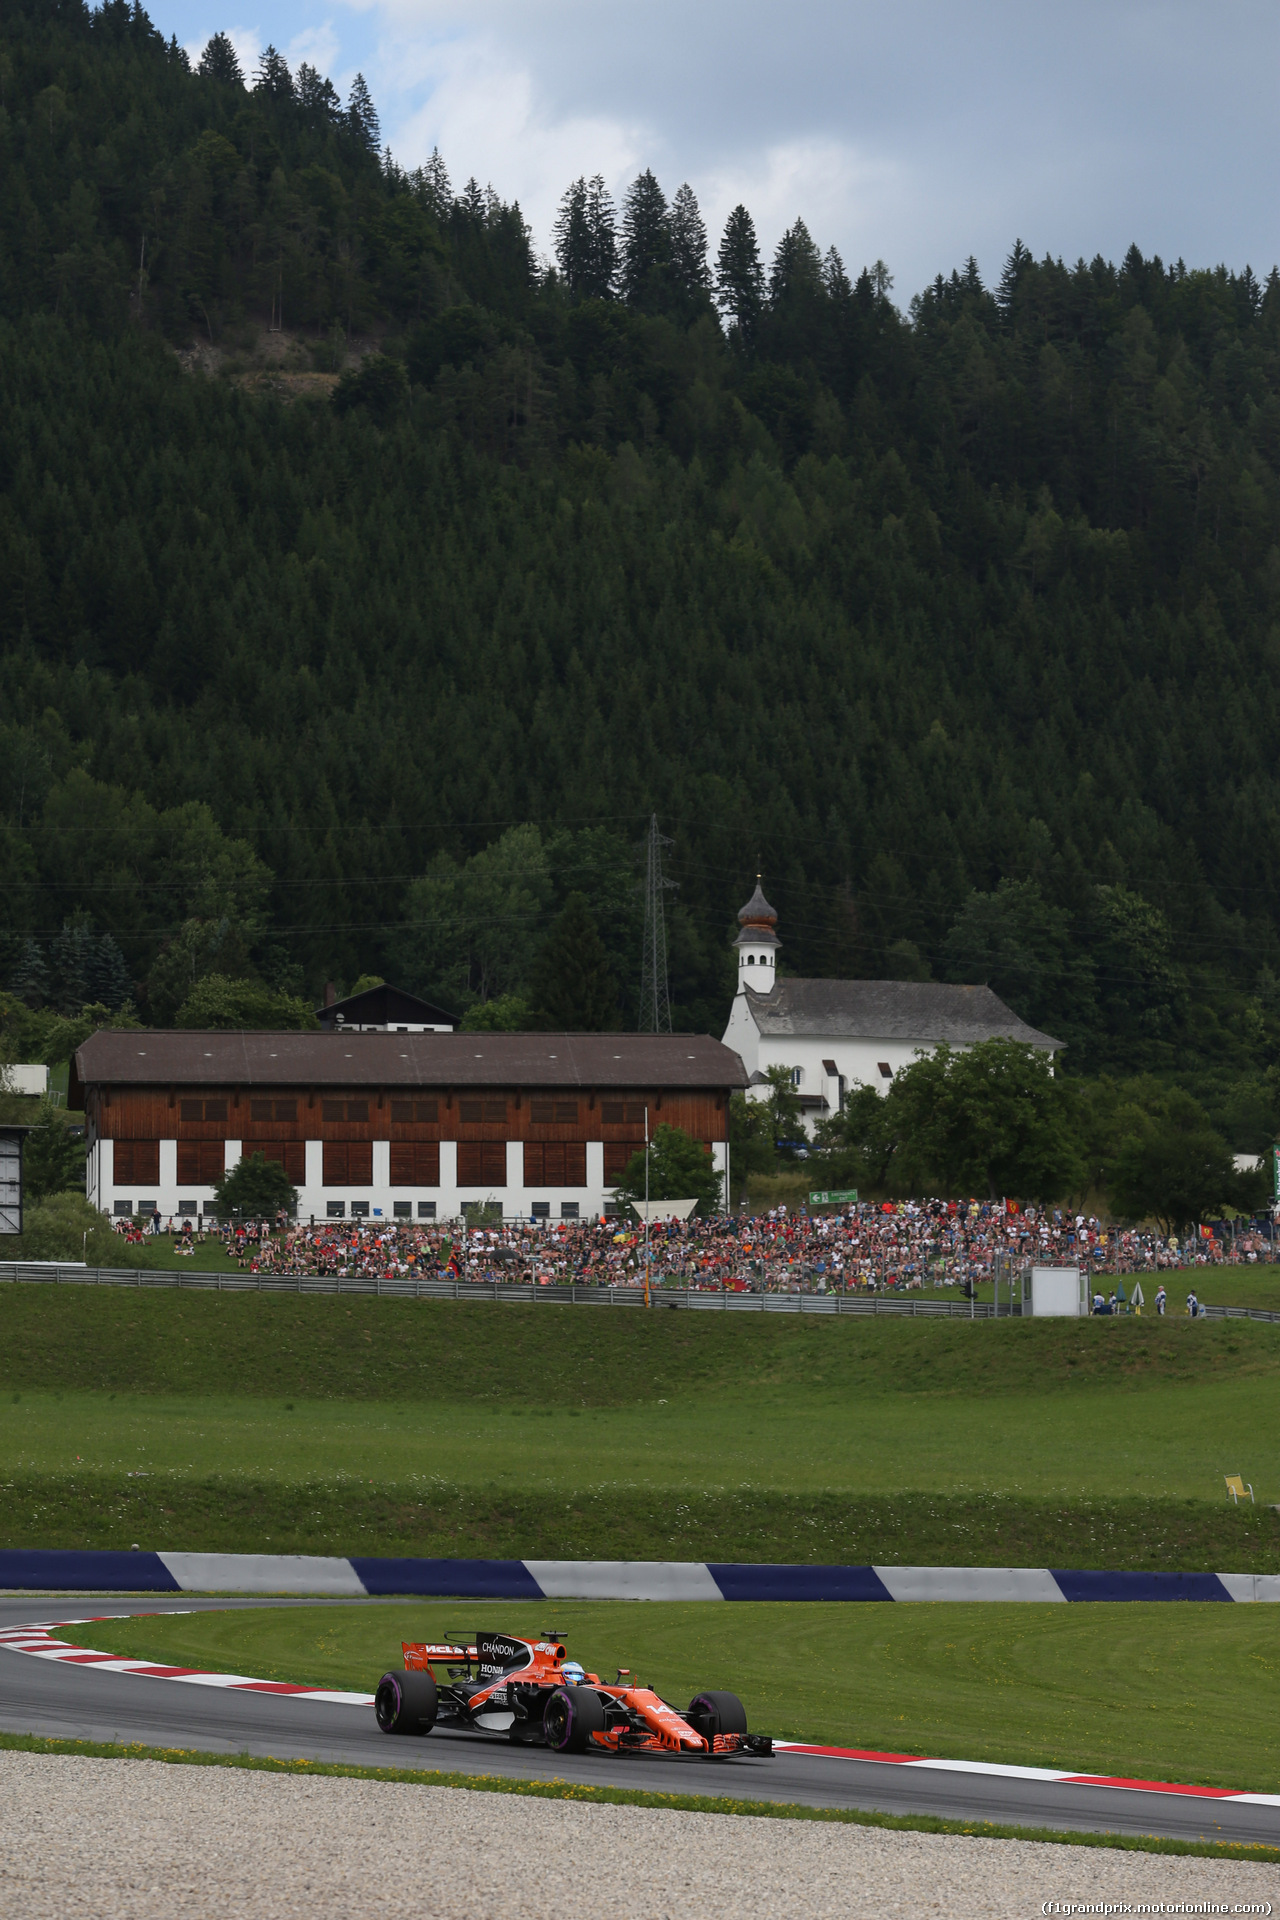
[[380, 385], [255, 1189], [243, 1006], [680, 1168], [52, 1156], [67, 1227]]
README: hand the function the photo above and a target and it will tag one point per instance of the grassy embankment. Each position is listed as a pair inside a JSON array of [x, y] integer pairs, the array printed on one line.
[[1186, 1693], [248, 1422]]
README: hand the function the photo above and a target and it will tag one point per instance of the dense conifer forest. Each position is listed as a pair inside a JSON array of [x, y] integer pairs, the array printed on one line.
[[367, 581]]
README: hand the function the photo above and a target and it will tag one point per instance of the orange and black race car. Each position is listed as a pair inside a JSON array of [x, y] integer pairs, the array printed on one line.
[[526, 1691]]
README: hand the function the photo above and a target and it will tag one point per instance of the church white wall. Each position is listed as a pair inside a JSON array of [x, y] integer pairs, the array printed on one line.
[[743, 1035], [858, 1061]]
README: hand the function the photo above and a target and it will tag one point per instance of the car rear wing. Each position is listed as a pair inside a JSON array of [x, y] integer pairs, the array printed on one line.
[[421, 1654]]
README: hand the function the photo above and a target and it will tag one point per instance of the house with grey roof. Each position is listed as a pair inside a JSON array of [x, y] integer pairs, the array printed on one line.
[[833, 1035]]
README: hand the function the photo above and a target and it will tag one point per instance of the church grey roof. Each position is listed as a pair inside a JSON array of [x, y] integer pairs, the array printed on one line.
[[890, 1010], [756, 936]]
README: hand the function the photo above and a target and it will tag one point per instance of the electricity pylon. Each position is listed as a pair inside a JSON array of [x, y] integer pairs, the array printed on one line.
[[655, 996]]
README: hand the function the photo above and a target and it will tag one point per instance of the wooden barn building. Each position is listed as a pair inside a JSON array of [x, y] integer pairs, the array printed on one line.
[[392, 1125]]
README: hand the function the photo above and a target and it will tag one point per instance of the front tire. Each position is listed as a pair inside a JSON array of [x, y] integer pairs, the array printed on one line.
[[406, 1702], [713, 1713], [570, 1717]]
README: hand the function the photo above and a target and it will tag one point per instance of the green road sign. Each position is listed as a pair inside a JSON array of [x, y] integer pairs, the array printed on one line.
[[833, 1199]]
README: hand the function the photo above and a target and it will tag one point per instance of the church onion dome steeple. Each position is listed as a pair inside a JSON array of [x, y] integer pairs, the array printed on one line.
[[757, 912], [757, 920]]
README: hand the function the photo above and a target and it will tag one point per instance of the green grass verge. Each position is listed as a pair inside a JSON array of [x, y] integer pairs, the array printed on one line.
[[236, 1514], [318, 1347], [1173, 1441], [260, 1422], [1184, 1693], [631, 1797]]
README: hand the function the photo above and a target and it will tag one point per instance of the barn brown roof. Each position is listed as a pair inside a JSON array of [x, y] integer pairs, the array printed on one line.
[[118, 1058]]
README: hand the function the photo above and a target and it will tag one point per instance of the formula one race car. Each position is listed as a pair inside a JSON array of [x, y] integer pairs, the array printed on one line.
[[527, 1692]]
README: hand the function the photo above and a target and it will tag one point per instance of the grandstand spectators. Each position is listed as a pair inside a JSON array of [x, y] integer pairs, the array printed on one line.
[[893, 1246]]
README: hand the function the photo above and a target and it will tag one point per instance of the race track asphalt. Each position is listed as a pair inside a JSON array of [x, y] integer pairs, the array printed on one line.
[[63, 1702]]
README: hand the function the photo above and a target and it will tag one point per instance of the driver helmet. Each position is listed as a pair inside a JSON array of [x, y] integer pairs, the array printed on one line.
[[574, 1674]]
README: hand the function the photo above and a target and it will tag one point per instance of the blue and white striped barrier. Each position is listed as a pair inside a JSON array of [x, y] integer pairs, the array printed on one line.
[[61, 1570]]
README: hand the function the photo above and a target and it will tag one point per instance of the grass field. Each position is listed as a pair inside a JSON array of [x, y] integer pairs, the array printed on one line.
[[281, 1346], [1183, 1692], [246, 1421], [1172, 1440]]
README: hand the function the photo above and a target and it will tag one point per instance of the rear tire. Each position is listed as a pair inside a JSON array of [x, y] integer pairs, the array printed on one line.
[[713, 1713], [406, 1702], [570, 1717]]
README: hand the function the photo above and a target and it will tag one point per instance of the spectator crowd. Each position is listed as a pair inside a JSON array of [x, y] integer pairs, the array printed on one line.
[[891, 1247]]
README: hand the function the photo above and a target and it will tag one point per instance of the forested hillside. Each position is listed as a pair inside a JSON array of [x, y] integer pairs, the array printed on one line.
[[962, 623]]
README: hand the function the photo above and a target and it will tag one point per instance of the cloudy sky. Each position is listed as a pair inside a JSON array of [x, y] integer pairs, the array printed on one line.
[[916, 132]]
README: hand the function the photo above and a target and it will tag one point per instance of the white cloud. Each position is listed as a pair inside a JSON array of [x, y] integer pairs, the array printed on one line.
[[846, 199], [917, 133], [484, 113], [319, 46], [247, 41]]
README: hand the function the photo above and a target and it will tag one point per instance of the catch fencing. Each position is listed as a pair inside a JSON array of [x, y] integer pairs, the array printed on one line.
[[412, 1287]]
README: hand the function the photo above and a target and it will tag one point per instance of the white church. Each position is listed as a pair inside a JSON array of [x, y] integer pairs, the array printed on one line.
[[834, 1034]]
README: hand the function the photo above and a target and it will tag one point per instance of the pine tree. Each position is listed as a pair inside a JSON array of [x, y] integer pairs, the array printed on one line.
[[107, 978], [835, 279], [71, 956], [274, 81], [362, 116], [573, 989], [739, 275], [571, 237], [602, 227], [646, 243], [688, 245], [435, 186], [1015, 271], [797, 267], [29, 981], [218, 62], [317, 96], [585, 239]]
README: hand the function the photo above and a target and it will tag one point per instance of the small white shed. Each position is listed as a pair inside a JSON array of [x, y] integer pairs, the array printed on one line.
[[1060, 1293], [30, 1079]]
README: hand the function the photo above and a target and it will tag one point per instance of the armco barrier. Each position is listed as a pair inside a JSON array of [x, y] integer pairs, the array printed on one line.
[[516, 1293], [512, 1293], [24, 1568]]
